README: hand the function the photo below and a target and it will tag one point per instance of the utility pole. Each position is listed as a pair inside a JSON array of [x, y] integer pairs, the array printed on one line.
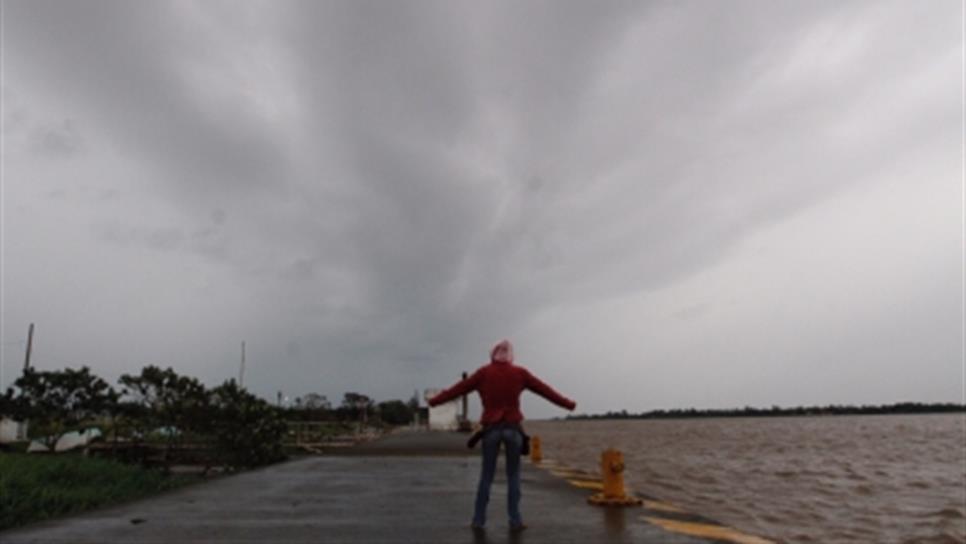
[[241, 369], [30, 346], [465, 408], [22, 425], [415, 408]]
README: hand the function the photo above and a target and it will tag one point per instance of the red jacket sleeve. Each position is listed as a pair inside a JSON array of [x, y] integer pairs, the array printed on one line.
[[534, 384], [458, 390]]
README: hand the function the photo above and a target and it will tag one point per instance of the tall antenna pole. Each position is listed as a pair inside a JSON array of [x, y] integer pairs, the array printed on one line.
[[30, 346], [241, 370], [22, 425], [465, 408]]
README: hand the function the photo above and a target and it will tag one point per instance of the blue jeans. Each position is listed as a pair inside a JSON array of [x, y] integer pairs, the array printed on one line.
[[513, 441]]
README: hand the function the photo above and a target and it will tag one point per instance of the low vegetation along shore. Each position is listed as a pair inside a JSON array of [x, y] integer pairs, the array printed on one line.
[[159, 430], [776, 411], [38, 487]]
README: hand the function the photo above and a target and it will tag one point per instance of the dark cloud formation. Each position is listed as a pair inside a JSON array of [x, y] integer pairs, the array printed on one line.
[[372, 193]]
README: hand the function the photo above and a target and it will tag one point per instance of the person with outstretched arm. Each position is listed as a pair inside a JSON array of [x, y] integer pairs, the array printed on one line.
[[500, 384]]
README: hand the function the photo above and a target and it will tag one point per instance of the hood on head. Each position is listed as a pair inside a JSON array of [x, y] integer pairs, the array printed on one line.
[[502, 352]]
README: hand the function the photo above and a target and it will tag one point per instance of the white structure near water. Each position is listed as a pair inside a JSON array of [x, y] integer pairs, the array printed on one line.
[[68, 441], [12, 431], [444, 417]]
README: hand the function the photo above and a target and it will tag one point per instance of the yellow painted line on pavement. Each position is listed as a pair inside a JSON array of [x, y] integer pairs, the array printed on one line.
[[586, 480], [663, 507], [596, 485], [706, 530], [576, 478], [552, 466], [564, 472], [549, 463]]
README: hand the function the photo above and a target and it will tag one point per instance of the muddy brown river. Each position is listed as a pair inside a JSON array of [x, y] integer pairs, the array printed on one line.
[[834, 479]]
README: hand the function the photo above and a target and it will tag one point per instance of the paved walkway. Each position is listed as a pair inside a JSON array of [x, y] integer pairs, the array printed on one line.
[[380, 497]]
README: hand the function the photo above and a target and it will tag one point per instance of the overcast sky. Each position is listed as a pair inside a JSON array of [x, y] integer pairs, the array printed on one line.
[[662, 204]]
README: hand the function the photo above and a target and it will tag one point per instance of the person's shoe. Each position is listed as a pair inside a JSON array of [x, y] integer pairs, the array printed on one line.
[[476, 527], [517, 527]]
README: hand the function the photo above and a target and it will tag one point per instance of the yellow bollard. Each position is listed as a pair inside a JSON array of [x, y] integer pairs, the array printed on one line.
[[536, 454], [612, 469]]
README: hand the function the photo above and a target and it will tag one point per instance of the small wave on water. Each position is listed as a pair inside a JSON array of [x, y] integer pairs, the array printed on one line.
[[947, 513], [809, 479], [940, 538], [863, 490]]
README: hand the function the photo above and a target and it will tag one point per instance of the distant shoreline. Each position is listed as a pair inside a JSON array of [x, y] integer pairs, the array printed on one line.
[[906, 408]]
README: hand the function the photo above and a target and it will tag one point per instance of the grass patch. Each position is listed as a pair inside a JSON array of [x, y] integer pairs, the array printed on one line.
[[38, 487], [318, 431]]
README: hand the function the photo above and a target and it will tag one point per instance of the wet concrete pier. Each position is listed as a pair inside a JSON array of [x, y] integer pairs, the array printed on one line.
[[407, 487]]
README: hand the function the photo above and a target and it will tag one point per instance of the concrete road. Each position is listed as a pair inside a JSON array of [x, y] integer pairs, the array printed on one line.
[[358, 498]]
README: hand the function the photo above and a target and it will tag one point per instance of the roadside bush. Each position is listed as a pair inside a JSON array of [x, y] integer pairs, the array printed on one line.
[[157, 407], [395, 412], [247, 430], [37, 487], [164, 399], [57, 402]]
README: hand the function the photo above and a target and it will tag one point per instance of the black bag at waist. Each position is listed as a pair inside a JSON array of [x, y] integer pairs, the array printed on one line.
[[478, 435]]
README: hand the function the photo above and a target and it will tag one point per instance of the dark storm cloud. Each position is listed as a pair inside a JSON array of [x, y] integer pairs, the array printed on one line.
[[124, 64], [159, 239], [62, 141], [392, 186], [436, 249]]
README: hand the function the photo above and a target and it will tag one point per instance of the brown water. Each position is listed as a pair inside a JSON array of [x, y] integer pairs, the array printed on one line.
[[798, 479]]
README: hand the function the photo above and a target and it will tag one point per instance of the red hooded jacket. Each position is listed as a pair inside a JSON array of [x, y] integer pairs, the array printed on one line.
[[500, 384]]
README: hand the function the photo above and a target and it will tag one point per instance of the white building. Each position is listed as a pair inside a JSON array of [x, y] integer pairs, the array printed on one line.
[[444, 417], [12, 431]]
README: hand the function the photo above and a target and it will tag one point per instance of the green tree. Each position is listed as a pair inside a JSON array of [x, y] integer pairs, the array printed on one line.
[[164, 403], [356, 406], [395, 412], [57, 402], [248, 431], [7, 404], [315, 401]]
